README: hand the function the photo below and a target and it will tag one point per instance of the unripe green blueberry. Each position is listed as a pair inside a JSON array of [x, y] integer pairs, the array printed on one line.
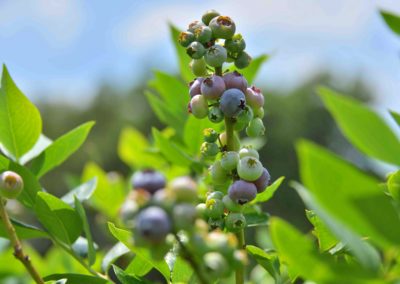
[[209, 149], [194, 87], [254, 97], [235, 222], [230, 205], [216, 265], [198, 67], [194, 25], [242, 192], [256, 128], [235, 80], [263, 181], [210, 135], [229, 160], [11, 185], [224, 243], [222, 27], [215, 55], [243, 119], [184, 188], [218, 174], [201, 209], [215, 115], [203, 34], [232, 102], [199, 106], [236, 44], [215, 208], [248, 152], [212, 87], [393, 185], [186, 38], [196, 50], [208, 16], [259, 112], [249, 168], [184, 216], [243, 60], [215, 195], [218, 223], [236, 141], [153, 224]]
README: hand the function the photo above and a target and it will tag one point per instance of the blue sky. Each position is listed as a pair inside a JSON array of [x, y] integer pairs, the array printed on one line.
[[65, 49]]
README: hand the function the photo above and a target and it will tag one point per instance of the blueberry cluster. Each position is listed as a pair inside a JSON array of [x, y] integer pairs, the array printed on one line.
[[212, 42]]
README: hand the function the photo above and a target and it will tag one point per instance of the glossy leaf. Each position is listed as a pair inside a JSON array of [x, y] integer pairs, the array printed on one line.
[[326, 239], [183, 58], [270, 262], [21, 124], [126, 278], [118, 250], [392, 20], [42, 143], [363, 127], [269, 192], [61, 149], [82, 192], [138, 267], [59, 219]]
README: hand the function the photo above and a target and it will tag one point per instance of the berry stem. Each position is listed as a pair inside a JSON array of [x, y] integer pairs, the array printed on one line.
[[18, 251], [241, 246], [230, 142]]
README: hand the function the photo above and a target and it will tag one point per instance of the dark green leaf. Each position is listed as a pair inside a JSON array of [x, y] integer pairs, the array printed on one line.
[[267, 260], [392, 20], [76, 278], [269, 192], [21, 123], [126, 278], [183, 58], [396, 117], [252, 70], [61, 149], [82, 214], [60, 220], [256, 219], [24, 231], [363, 127], [326, 239], [82, 192]]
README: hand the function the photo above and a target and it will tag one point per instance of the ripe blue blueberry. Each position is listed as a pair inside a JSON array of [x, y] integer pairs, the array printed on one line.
[[210, 135], [186, 38], [243, 60], [254, 97], [194, 87], [248, 152], [209, 149], [222, 27], [195, 50], [235, 222], [249, 168], [198, 67], [215, 115], [235, 80], [153, 224], [148, 180], [203, 34], [11, 185], [263, 181], [256, 128], [232, 102], [199, 106], [236, 44], [229, 160], [244, 118], [212, 87], [242, 192], [208, 16], [215, 55]]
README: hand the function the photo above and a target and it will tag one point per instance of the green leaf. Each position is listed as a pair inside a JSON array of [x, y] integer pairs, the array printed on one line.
[[251, 71], [396, 117], [193, 133], [138, 267], [267, 260], [60, 220], [183, 58], [133, 149], [127, 278], [42, 143], [269, 192], [326, 239], [24, 231], [76, 278], [82, 214], [118, 250], [254, 219], [182, 272], [363, 127], [334, 182], [61, 149], [126, 238], [299, 253], [21, 123], [170, 150], [392, 20], [82, 192], [110, 192]]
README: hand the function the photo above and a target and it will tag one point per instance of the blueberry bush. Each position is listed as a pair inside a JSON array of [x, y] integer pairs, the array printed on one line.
[[192, 210]]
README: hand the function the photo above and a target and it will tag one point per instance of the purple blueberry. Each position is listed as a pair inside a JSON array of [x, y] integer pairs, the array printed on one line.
[[235, 80], [212, 87], [242, 192], [254, 97], [148, 180], [263, 181], [232, 102], [199, 106], [194, 87], [153, 224]]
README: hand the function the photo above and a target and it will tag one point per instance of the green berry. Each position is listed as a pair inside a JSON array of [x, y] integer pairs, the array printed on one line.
[[215, 115], [186, 38], [199, 106], [198, 67], [215, 55], [259, 112], [208, 16], [248, 152], [256, 128], [216, 223], [222, 27], [235, 222], [230, 205], [195, 50], [203, 34], [214, 208], [249, 169], [201, 209], [244, 118], [184, 215], [209, 149], [229, 160], [216, 265], [194, 25], [210, 135], [235, 44], [11, 185], [243, 60], [218, 173], [236, 141], [215, 195], [185, 189]]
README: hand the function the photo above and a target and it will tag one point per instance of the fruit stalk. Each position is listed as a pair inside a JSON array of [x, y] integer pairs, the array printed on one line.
[[18, 251], [241, 245]]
